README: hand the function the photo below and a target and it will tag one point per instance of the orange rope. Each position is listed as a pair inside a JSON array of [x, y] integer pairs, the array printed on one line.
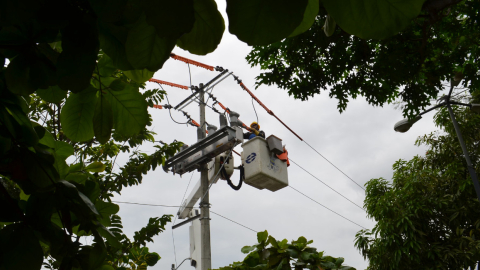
[[158, 106], [168, 83], [188, 61]]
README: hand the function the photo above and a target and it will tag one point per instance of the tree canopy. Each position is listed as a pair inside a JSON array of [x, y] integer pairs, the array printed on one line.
[[441, 43], [428, 217], [270, 254]]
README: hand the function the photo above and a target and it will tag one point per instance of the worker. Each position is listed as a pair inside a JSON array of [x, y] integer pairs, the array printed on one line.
[[254, 131]]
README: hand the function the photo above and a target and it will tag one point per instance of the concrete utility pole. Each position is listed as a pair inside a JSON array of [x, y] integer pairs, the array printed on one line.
[[206, 251]]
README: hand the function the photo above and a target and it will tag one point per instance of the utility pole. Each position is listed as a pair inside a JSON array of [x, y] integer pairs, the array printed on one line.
[[206, 251]]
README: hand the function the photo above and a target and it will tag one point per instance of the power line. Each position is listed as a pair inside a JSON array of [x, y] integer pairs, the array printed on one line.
[[161, 205], [326, 184], [327, 208], [334, 166], [233, 221]]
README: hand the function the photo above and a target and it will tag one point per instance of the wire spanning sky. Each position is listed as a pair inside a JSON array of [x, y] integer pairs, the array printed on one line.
[[361, 142]]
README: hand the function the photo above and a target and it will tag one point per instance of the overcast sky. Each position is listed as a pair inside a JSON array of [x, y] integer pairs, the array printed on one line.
[[361, 142]]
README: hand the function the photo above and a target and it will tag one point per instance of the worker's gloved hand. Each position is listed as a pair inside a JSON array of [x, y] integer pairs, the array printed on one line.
[[254, 131]]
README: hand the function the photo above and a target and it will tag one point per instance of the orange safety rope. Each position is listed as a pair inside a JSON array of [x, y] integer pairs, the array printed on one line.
[[158, 106], [188, 61], [168, 83]]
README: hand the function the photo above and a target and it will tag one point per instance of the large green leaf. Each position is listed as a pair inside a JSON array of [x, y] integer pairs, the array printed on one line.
[[261, 22], [96, 166], [139, 75], [145, 49], [373, 18], [78, 58], [18, 76], [112, 42], [207, 31], [77, 115], [20, 248], [308, 18], [53, 94], [82, 203], [170, 18], [129, 110], [103, 120], [106, 66]]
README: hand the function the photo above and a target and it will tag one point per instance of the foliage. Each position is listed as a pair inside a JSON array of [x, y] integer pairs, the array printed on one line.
[[270, 253], [72, 99], [428, 217], [440, 44], [55, 191]]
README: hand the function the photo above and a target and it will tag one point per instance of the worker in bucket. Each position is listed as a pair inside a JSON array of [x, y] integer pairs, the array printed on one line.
[[254, 131]]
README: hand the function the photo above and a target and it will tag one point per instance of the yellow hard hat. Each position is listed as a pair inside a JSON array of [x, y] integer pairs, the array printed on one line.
[[254, 123]]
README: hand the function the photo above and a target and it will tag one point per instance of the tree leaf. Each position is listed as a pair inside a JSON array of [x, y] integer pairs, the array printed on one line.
[[77, 115], [96, 166], [129, 110], [112, 41], [373, 18], [86, 206], [111, 239], [20, 248], [261, 22], [262, 236], [18, 76], [103, 120], [248, 249], [308, 18], [329, 26], [145, 49], [207, 31], [171, 19], [53, 94], [76, 62], [139, 75], [106, 66]]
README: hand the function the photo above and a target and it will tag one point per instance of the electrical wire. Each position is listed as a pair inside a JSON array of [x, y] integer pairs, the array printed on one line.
[[170, 111], [327, 208], [325, 184], [160, 205], [233, 221], [190, 74], [334, 166]]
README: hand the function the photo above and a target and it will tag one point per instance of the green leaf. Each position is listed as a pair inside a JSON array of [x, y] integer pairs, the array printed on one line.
[[207, 31], [85, 206], [20, 248], [112, 41], [139, 75], [111, 239], [262, 236], [248, 249], [97, 255], [308, 18], [373, 18], [103, 120], [77, 115], [171, 19], [339, 261], [76, 62], [62, 151], [106, 66], [261, 22], [95, 167], [18, 76], [152, 258], [329, 26], [107, 209], [129, 110], [145, 49], [53, 94]]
